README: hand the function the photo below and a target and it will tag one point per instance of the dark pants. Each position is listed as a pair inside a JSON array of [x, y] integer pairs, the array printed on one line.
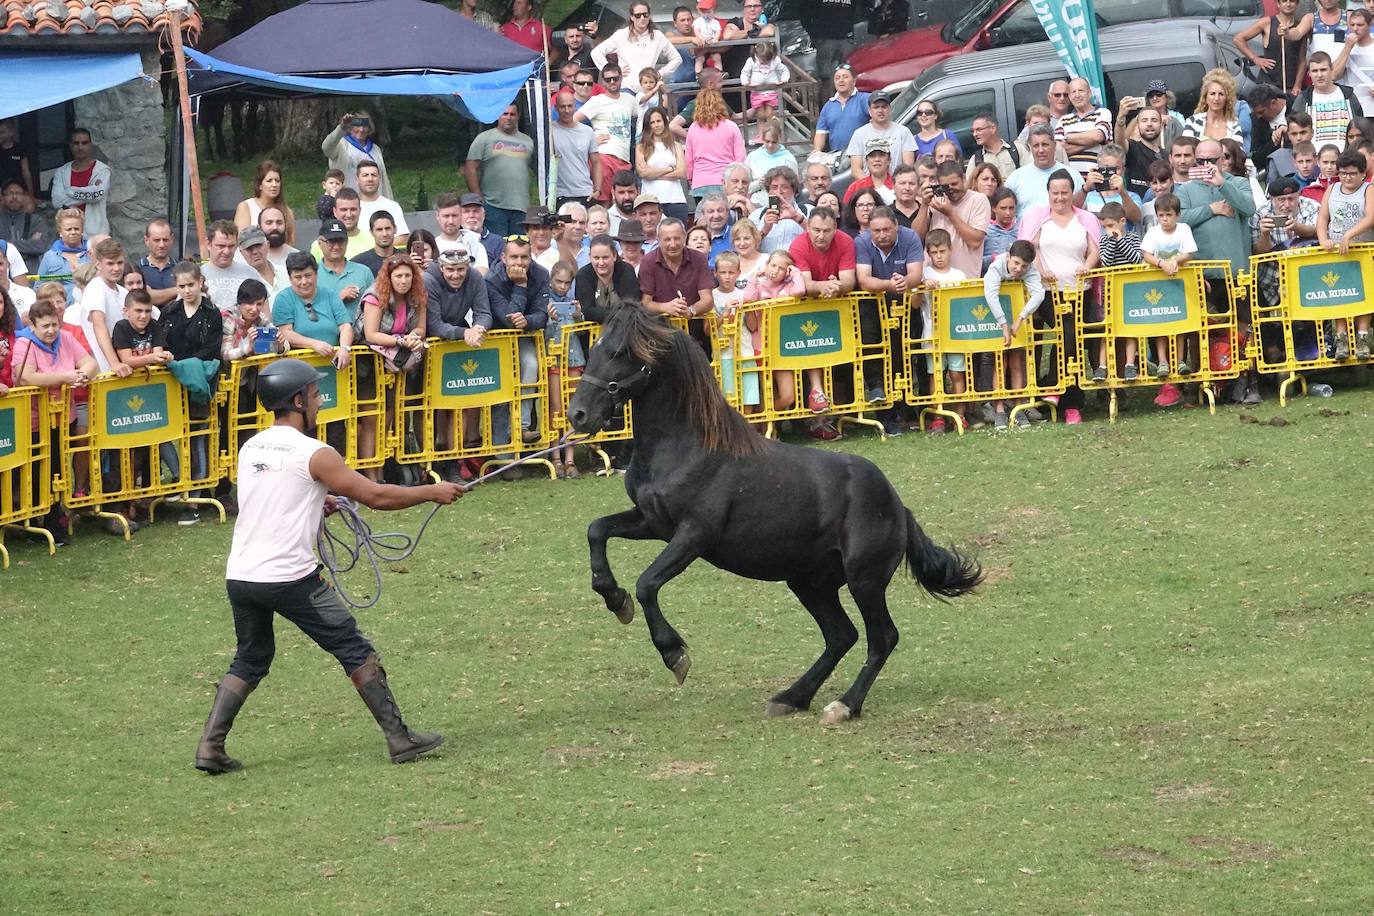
[[311, 604], [504, 222]]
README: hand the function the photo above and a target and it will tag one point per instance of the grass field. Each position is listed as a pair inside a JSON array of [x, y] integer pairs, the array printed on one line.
[[1159, 703]]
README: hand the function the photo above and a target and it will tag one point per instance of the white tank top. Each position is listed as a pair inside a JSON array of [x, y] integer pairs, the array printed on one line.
[[280, 505]]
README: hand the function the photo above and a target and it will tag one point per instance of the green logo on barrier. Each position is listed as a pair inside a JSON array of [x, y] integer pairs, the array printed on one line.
[[140, 409], [971, 319], [329, 388], [809, 333], [7, 444], [1154, 302], [1325, 285], [467, 372]]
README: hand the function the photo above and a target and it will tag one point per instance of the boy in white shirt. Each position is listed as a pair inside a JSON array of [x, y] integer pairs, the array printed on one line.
[[1168, 245], [101, 306], [938, 272]]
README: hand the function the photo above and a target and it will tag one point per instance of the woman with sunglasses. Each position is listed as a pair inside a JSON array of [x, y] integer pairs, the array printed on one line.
[[1234, 162], [928, 131], [638, 45]]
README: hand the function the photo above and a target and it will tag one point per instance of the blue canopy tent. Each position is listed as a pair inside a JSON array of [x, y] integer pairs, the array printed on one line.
[[30, 80], [399, 47]]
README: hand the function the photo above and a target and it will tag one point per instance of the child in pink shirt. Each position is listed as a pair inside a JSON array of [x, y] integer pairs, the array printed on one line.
[[780, 279]]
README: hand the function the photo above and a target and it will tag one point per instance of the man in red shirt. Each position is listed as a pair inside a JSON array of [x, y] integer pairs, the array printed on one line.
[[824, 256], [525, 28]]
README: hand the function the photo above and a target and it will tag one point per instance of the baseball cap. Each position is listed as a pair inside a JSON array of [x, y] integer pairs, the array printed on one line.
[[706, 4], [458, 254], [643, 199], [1284, 184], [331, 231], [881, 97], [877, 145], [469, 199], [255, 236], [1155, 87]]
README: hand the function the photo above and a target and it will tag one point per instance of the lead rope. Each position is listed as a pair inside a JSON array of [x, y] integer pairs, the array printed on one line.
[[358, 539]]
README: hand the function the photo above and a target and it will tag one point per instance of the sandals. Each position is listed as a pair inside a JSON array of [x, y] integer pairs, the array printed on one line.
[[569, 470]]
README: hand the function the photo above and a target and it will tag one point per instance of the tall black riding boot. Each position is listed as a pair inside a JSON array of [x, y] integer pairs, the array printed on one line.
[[404, 744], [210, 755]]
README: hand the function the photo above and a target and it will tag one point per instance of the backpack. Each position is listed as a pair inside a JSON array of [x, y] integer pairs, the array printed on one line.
[[981, 154]]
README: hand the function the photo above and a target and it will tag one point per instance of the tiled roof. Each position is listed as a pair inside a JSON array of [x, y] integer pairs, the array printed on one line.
[[94, 17]]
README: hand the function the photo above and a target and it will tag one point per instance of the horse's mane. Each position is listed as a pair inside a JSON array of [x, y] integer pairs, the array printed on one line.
[[683, 369]]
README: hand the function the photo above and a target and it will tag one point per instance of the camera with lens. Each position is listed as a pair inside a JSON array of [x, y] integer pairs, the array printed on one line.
[[939, 190]]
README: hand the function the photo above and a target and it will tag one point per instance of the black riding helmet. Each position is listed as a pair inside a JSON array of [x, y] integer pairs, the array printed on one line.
[[282, 380]]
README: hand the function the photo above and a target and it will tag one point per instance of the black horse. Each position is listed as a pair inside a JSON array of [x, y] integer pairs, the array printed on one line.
[[706, 482]]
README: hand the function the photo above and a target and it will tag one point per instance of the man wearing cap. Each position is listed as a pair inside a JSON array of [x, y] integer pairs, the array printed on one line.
[[845, 112], [498, 168], [370, 200], [347, 212], [1286, 220], [900, 142], [286, 476], [448, 213], [1005, 157], [458, 304], [253, 247], [612, 119], [222, 273], [1084, 128], [474, 217], [346, 279], [574, 147], [383, 228], [272, 222], [630, 235], [649, 212], [879, 177], [830, 23]]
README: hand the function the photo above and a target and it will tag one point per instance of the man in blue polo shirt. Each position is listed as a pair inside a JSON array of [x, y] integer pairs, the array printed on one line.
[[845, 113], [346, 279], [156, 265], [888, 259]]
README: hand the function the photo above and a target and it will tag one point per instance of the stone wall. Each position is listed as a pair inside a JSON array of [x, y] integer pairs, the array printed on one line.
[[129, 128]]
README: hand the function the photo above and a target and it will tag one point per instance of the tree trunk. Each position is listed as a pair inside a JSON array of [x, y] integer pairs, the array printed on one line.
[[302, 124]]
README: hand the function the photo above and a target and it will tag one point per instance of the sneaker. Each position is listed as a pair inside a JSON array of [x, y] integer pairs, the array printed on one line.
[[937, 426], [823, 431], [1162, 369], [987, 413], [1184, 368], [1100, 374], [816, 401], [1362, 345], [188, 518], [1023, 420], [1072, 417], [1051, 399], [1342, 345], [892, 428], [1168, 396], [1032, 414], [876, 395], [1252, 394], [999, 419], [529, 435], [1130, 373]]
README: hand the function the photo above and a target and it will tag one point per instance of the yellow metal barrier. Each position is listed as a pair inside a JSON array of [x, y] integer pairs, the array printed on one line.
[[1146, 314], [144, 441], [621, 428], [27, 423], [806, 344], [350, 418], [476, 402], [961, 351], [1301, 302]]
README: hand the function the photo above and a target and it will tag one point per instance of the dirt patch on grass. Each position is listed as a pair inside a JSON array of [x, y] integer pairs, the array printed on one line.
[[1235, 850], [1198, 791], [683, 769], [1020, 513], [993, 575], [1142, 858], [574, 752], [985, 539]]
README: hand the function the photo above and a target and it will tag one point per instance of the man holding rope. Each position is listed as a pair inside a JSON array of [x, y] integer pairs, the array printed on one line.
[[285, 478]]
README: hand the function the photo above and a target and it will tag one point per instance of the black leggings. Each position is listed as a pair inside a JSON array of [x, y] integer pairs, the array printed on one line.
[[311, 604]]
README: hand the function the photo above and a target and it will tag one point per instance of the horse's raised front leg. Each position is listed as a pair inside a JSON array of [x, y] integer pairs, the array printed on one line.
[[631, 526], [686, 546]]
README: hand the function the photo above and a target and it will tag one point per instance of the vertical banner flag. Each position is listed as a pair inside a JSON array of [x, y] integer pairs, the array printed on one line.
[[1071, 26]]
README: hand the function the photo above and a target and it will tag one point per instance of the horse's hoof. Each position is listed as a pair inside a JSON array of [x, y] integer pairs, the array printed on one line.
[[681, 667], [774, 708], [626, 612], [834, 714]]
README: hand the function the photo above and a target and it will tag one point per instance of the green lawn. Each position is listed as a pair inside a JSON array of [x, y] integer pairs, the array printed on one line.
[[1159, 703]]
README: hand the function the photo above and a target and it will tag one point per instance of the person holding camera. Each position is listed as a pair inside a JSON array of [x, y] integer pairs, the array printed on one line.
[[350, 144], [1106, 183]]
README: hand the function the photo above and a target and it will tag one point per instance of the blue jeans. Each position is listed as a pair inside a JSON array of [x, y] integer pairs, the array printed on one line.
[[504, 222], [500, 414]]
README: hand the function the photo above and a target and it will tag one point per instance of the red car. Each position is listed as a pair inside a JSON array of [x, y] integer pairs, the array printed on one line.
[[1003, 23]]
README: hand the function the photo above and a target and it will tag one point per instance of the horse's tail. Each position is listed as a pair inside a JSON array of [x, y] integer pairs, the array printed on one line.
[[942, 572]]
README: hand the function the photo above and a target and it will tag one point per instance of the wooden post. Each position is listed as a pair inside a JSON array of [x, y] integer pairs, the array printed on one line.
[[188, 133]]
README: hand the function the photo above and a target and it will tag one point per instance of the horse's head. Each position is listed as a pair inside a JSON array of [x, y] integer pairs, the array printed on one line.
[[619, 366]]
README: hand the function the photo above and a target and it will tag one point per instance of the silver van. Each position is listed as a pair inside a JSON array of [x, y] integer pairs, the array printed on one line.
[[1007, 81]]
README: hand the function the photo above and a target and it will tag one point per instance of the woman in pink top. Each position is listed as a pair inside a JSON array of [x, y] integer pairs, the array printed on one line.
[[713, 142], [780, 279]]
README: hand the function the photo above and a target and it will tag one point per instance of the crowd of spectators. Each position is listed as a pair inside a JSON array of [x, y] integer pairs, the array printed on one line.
[[675, 190]]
